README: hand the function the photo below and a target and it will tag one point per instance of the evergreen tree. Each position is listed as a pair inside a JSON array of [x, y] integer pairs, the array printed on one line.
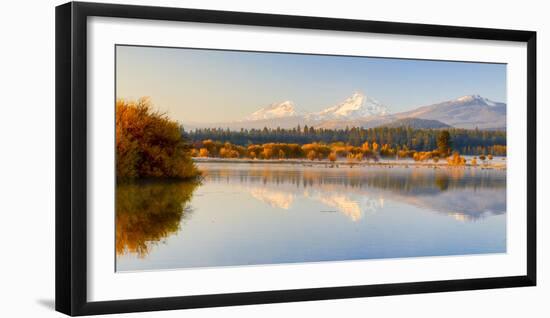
[[444, 143]]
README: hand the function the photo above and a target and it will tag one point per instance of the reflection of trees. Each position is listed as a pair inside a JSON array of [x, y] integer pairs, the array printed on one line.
[[442, 181], [463, 193], [147, 212], [399, 180]]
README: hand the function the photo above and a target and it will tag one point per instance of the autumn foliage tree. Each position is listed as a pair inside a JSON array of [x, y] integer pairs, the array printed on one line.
[[149, 144], [466, 141]]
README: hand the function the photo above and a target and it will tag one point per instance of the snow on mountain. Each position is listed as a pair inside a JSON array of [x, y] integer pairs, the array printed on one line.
[[477, 99], [354, 107], [275, 110], [468, 111]]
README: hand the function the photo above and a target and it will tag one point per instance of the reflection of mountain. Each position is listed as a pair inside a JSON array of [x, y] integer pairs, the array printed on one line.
[[279, 196], [344, 204], [353, 208], [464, 205], [147, 212], [464, 194], [277, 199]]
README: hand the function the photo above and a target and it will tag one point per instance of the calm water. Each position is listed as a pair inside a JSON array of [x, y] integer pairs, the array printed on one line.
[[277, 213]]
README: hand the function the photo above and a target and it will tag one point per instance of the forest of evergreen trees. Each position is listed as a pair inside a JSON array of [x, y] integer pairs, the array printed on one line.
[[465, 141]]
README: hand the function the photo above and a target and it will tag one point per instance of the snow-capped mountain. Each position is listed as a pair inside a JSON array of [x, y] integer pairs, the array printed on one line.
[[275, 110], [468, 111], [354, 107], [477, 99]]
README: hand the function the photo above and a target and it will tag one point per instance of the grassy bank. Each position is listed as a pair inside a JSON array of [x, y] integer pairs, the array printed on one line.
[[490, 164]]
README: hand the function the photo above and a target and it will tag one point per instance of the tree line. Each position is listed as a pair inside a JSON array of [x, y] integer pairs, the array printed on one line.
[[465, 141], [333, 151]]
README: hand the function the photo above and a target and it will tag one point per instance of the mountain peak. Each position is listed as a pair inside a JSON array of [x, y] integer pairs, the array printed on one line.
[[475, 98], [275, 110], [468, 98], [356, 106], [359, 110]]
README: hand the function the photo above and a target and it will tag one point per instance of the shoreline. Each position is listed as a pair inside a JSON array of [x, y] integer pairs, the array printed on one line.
[[326, 163]]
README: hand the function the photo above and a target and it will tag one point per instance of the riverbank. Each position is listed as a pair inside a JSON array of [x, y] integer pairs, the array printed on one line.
[[497, 163]]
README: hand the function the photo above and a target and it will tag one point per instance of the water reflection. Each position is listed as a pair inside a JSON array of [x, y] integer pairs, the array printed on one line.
[[277, 199], [462, 193], [266, 214], [148, 212]]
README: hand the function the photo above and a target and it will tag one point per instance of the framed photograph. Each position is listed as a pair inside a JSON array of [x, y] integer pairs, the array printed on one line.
[[210, 158]]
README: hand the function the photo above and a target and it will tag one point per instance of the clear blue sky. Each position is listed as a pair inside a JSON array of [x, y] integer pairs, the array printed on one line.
[[196, 85]]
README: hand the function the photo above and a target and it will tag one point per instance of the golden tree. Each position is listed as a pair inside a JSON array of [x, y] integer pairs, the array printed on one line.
[[203, 152], [149, 144], [456, 160]]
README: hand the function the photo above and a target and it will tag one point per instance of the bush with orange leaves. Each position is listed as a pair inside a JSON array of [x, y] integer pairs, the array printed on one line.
[[456, 160], [149, 144]]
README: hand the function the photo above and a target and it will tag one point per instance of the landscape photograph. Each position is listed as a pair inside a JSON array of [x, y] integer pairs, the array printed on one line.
[[238, 158]]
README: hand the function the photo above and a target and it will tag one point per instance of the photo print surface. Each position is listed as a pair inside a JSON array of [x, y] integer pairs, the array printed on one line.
[[234, 158]]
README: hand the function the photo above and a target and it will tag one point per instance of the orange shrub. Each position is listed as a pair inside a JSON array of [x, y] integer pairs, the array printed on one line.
[[203, 152], [456, 160], [149, 144]]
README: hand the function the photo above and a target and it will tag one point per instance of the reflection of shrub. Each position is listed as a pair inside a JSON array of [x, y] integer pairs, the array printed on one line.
[[149, 144], [147, 212]]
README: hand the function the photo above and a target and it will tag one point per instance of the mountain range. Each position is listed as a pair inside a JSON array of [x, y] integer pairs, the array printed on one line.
[[359, 110]]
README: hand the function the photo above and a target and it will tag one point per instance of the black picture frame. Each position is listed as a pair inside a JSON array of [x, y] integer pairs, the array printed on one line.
[[71, 157]]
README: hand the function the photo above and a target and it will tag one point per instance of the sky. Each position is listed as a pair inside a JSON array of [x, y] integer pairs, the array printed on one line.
[[201, 86]]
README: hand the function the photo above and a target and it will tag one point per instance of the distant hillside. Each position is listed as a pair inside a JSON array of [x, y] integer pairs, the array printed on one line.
[[416, 123], [470, 112]]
